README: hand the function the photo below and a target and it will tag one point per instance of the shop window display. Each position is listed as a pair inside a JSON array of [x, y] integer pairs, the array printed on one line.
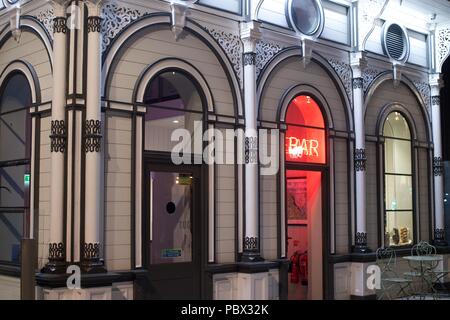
[[398, 179]]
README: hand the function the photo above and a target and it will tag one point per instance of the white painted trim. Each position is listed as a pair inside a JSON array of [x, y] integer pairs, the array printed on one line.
[[211, 204], [138, 194]]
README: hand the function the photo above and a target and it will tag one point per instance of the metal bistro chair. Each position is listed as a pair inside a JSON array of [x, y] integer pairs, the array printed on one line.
[[423, 270], [390, 280]]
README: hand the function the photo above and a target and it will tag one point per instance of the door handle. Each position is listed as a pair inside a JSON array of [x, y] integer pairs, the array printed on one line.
[[151, 208]]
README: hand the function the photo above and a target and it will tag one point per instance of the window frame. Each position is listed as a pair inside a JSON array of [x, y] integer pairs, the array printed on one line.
[[384, 173], [25, 209]]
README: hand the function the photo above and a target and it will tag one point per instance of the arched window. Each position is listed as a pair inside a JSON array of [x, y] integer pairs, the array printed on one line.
[[173, 102], [15, 129], [398, 181], [305, 135]]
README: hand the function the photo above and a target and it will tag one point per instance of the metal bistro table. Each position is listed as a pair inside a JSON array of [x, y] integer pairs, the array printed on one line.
[[424, 271]]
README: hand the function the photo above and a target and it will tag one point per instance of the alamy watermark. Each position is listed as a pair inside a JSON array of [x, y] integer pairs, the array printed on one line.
[[227, 146]]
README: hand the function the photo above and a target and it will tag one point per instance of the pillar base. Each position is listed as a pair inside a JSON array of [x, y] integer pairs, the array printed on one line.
[[249, 256], [361, 249], [93, 266], [55, 267], [361, 243], [439, 238], [56, 259]]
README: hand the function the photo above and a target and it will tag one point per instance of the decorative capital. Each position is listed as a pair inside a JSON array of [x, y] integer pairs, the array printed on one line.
[[94, 24], [56, 259], [439, 237], [435, 100], [60, 25], [249, 59], [357, 83], [251, 244], [360, 159], [438, 166], [251, 150], [361, 239], [58, 136], [250, 34], [92, 136]]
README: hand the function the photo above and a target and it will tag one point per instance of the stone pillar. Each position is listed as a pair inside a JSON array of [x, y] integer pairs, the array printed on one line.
[[250, 35], [358, 63], [92, 139], [438, 167], [57, 248]]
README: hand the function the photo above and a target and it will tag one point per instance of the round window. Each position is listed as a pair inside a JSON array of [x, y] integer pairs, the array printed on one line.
[[395, 42], [306, 16]]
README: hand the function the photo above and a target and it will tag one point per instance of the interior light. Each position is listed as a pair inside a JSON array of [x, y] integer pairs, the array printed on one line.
[[308, 99], [176, 121]]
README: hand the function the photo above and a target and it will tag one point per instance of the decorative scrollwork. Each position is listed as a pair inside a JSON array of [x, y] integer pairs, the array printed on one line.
[[116, 18], [251, 150], [443, 44], [46, 19], [425, 92], [344, 72], [251, 244], [94, 24], [249, 59], [438, 166], [58, 136], [60, 25], [56, 252], [369, 75], [232, 45], [358, 83], [361, 239], [93, 136], [360, 160], [265, 51], [90, 251], [435, 100]]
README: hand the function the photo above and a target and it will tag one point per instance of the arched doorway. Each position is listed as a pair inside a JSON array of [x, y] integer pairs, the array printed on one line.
[[445, 118], [173, 197], [306, 192]]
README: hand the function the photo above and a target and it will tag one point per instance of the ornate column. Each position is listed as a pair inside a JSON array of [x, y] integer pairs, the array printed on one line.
[[57, 248], [438, 168], [358, 63], [90, 260], [250, 35]]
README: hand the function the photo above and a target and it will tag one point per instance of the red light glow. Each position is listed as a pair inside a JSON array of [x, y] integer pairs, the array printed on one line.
[[305, 135]]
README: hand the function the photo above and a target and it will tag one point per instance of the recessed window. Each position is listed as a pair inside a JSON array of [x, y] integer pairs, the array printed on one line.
[[173, 102], [15, 125], [306, 16], [398, 181], [395, 42]]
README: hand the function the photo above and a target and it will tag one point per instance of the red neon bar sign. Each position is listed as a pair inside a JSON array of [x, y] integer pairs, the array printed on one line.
[[305, 135]]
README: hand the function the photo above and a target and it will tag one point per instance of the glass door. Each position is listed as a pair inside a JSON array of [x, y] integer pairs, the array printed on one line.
[[173, 213]]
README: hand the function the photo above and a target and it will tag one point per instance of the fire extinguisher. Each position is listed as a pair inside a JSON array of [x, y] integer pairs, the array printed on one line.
[[303, 267], [294, 268]]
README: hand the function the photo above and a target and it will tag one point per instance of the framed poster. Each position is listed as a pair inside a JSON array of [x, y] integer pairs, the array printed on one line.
[[296, 194]]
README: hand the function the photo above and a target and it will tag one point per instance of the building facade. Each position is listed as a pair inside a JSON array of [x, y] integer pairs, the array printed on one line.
[[332, 106]]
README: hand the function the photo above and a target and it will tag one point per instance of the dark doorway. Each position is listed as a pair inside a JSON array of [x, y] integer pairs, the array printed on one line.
[[173, 240], [445, 119]]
